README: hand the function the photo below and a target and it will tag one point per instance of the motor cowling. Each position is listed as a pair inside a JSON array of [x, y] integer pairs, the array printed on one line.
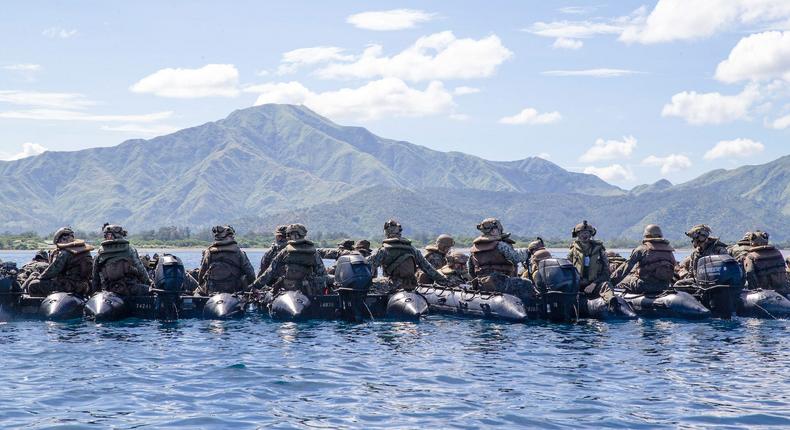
[[719, 270], [8, 283], [352, 273], [169, 274], [557, 275]]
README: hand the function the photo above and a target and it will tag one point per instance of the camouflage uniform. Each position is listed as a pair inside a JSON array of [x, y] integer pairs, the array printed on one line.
[[343, 248], [363, 247], [69, 270], [494, 262], [615, 261], [704, 246], [741, 248], [591, 262], [400, 261], [455, 269], [436, 255], [276, 247], [117, 268], [764, 265], [296, 267], [538, 252], [37, 266], [652, 264], [224, 267]]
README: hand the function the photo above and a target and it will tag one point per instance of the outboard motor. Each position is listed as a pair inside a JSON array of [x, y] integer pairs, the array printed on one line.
[[557, 281], [105, 306], [719, 280], [9, 289], [169, 276], [61, 306], [352, 280]]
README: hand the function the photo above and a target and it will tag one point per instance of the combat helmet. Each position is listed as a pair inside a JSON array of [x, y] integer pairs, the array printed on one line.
[[223, 232], [63, 231], [280, 230], [41, 255], [346, 244], [652, 231], [536, 245], [296, 229], [392, 228], [116, 231], [759, 238], [699, 231], [445, 241], [362, 244], [457, 257], [583, 226], [489, 224]]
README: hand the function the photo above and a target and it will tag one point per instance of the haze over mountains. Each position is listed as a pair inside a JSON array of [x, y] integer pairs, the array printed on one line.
[[272, 164]]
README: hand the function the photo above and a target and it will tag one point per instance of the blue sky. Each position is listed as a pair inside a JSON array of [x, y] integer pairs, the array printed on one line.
[[631, 91]]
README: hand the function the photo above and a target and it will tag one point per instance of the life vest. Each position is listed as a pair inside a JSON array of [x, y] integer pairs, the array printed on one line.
[[486, 258], [299, 260], [437, 258], [224, 267], [589, 271], [399, 262], [115, 261], [658, 263], [80, 266], [768, 265]]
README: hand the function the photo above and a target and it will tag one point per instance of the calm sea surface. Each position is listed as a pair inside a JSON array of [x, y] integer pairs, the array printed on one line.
[[439, 373]]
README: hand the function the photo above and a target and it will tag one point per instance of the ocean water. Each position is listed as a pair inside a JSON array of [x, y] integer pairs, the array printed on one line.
[[442, 372]]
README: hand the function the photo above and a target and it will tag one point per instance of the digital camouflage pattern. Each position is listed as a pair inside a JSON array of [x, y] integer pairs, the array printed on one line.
[[224, 267], [118, 268], [650, 268], [69, 271], [298, 266]]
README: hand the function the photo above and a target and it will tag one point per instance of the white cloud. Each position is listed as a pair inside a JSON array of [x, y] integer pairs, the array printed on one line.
[[386, 20], [668, 164], [613, 173], [757, 57], [68, 115], [532, 117], [575, 29], [564, 43], [45, 100], [220, 80], [694, 19], [544, 155], [388, 97], [609, 149], [462, 91], [734, 148], [780, 123], [711, 108], [293, 60], [437, 56], [577, 10], [28, 150], [57, 32], [595, 73], [459, 117], [24, 67], [138, 129]]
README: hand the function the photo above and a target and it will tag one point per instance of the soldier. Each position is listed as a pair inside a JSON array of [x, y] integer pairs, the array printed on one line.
[[117, 267], [538, 252], [363, 247], [297, 267], [343, 248], [764, 265], [400, 260], [224, 267], [589, 258], [277, 245], [654, 264], [436, 254], [455, 270], [741, 248], [704, 245], [38, 265], [69, 269], [494, 259], [615, 260]]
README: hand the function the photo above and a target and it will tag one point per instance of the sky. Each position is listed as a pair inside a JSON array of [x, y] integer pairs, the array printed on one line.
[[630, 91]]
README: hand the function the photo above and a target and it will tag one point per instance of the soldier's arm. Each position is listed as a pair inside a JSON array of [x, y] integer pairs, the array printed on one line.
[[142, 271], [95, 275], [56, 266], [470, 267], [319, 270], [429, 270], [603, 274], [751, 277], [627, 266], [375, 259], [246, 267], [203, 268], [266, 276], [328, 253]]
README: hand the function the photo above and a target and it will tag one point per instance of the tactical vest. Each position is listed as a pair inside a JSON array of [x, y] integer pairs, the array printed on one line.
[[437, 258], [487, 259], [115, 261], [299, 260], [399, 262], [80, 265], [769, 267], [594, 265], [709, 248], [658, 263], [537, 256], [224, 267]]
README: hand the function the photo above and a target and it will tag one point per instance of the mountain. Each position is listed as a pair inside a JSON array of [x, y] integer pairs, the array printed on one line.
[[272, 164]]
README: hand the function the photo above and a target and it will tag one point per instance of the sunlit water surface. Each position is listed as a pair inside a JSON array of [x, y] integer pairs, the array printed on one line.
[[440, 373]]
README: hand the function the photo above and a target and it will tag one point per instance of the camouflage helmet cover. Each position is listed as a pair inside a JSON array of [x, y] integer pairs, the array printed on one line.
[[298, 229], [280, 230], [445, 240], [652, 231], [41, 255], [222, 231], [536, 245], [583, 226], [699, 230], [63, 231], [347, 244], [362, 244], [489, 224], [392, 227], [116, 230], [759, 238], [457, 258]]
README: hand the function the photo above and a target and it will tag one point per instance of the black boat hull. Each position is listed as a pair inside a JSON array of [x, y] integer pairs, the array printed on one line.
[[224, 306], [763, 304], [61, 306], [667, 305], [457, 301], [106, 306]]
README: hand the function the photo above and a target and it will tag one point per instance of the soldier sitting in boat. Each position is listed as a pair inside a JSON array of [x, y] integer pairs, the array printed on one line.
[[297, 267], [741, 247], [455, 270], [117, 267], [615, 260], [343, 248], [652, 262], [704, 245], [363, 247], [494, 262], [400, 261], [69, 270], [38, 265], [224, 267], [538, 252], [589, 258], [764, 265], [436, 254]]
